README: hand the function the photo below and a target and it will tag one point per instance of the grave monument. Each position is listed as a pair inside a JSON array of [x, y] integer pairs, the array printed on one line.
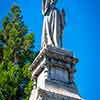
[[53, 69]]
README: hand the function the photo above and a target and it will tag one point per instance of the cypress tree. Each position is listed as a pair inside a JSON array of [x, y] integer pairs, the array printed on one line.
[[16, 54]]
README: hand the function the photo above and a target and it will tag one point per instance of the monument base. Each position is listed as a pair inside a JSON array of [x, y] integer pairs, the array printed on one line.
[[53, 70], [40, 94]]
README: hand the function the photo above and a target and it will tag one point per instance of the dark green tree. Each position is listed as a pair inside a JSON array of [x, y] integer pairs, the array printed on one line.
[[16, 55]]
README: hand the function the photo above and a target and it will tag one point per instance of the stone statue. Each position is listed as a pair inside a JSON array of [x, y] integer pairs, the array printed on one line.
[[53, 24]]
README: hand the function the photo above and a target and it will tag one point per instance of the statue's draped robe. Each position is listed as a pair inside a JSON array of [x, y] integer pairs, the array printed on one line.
[[51, 26]]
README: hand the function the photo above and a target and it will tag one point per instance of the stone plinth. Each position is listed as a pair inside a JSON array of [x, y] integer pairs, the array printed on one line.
[[53, 70]]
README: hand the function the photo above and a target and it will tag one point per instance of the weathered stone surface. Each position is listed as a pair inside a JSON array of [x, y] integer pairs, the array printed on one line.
[[51, 95], [52, 69], [56, 54]]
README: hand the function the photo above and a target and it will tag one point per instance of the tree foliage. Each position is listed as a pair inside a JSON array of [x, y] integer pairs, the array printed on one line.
[[16, 54]]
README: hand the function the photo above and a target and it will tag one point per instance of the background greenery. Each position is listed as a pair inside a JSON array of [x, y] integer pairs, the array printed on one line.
[[16, 55]]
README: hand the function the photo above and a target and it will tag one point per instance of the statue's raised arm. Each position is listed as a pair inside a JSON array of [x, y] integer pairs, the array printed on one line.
[[45, 6]]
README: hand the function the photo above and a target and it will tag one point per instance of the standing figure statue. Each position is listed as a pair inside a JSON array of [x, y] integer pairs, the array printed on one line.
[[53, 24]]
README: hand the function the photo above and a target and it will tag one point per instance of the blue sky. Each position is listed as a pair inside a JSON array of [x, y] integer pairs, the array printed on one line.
[[81, 36]]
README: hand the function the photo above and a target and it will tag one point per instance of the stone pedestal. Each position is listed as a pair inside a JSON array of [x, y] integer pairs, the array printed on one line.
[[52, 75]]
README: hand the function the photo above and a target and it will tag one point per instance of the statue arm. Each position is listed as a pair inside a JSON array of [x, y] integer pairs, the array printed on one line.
[[62, 14], [45, 7]]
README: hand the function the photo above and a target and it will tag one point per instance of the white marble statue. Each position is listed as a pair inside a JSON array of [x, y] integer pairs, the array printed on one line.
[[53, 24]]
